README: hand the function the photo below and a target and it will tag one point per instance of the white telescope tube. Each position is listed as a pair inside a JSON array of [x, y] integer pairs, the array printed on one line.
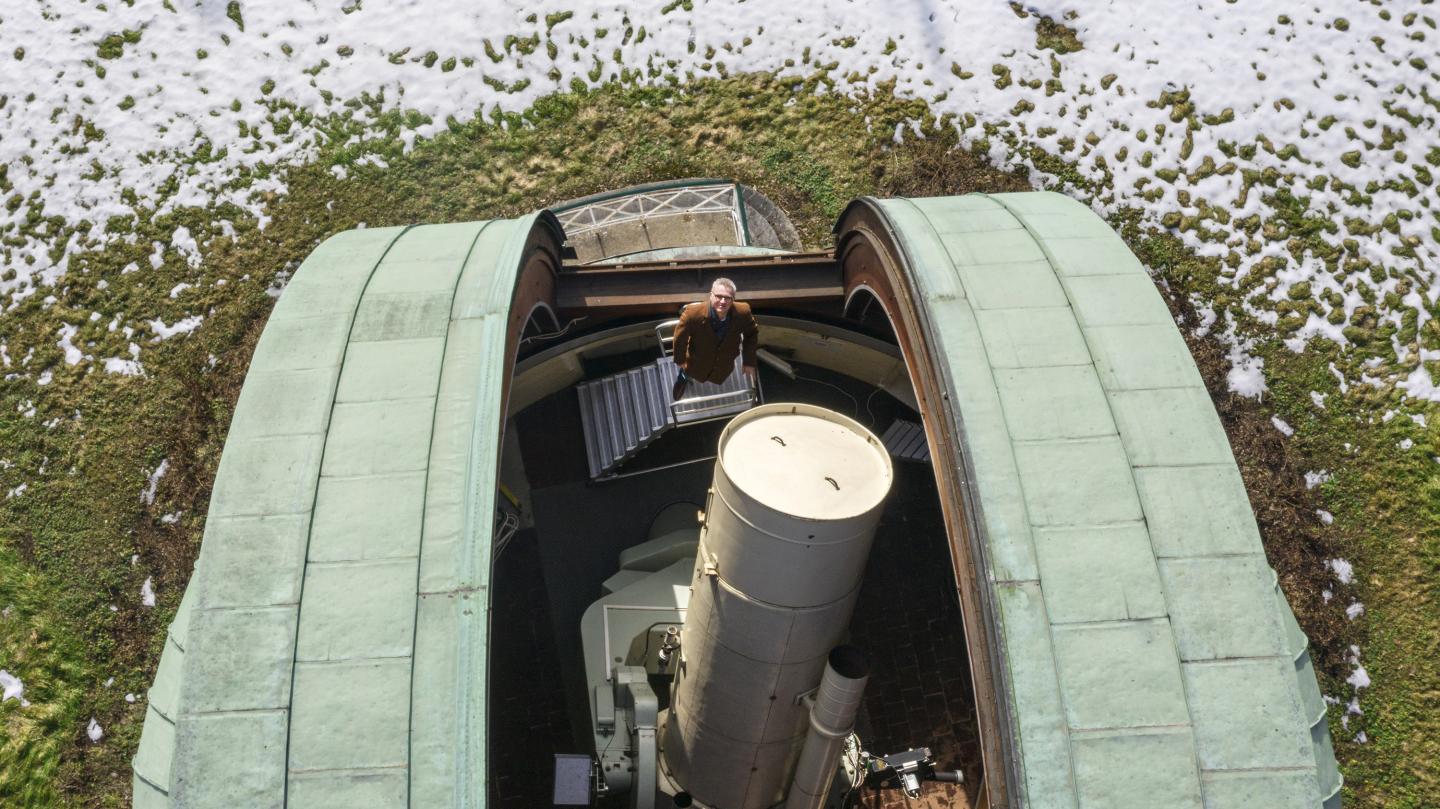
[[798, 492]]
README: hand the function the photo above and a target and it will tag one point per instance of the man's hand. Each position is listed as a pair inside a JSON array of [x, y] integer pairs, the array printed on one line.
[[750, 374]]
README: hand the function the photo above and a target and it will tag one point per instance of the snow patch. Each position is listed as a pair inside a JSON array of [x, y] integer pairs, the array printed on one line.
[[282, 280], [148, 496], [1344, 386], [73, 355], [185, 244], [1247, 375], [11, 687], [1343, 570], [130, 367], [1420, 385], [1285, 429], [183, 326]]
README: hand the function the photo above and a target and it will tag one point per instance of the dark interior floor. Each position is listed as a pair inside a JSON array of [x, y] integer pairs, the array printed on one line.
[[908, 622], [907, 619], [527, 698]]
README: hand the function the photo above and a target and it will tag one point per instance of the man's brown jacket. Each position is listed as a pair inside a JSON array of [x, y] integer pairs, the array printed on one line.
[[706, 360]]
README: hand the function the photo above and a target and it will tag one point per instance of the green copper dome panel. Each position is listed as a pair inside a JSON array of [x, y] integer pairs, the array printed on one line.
[[1132, 590], [337, 616]]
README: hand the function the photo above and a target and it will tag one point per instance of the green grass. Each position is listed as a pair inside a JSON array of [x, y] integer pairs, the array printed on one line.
[[51, 663], [66, 543], [1386, 502]]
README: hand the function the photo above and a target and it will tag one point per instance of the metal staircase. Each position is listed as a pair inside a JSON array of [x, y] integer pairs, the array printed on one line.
[[624, 413], [906, 441]]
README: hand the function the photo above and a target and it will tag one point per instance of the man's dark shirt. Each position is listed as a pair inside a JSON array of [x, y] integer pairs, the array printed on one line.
[[720, 327]]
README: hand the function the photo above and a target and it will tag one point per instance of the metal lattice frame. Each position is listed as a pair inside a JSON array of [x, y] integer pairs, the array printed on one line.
[[653, 204]]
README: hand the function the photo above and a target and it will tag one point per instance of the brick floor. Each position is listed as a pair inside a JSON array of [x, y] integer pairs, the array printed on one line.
[[908, 623]]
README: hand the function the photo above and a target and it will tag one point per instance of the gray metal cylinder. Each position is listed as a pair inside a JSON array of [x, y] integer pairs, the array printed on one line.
[[798, 491], [832, 718]]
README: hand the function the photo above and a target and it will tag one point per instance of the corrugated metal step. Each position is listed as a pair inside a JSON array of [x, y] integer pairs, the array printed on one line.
[[906, 440], [625, 412], [706, 400]]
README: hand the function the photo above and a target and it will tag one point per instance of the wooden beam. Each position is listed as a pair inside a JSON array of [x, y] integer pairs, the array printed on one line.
[[660, 286]]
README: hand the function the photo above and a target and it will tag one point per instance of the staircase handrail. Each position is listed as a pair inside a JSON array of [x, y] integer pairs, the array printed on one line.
[[667, 343], [690, 402]]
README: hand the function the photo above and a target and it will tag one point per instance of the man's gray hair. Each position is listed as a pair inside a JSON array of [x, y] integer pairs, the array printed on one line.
[[724, 282]]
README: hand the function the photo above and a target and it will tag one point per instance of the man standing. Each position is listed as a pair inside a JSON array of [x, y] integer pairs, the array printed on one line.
[[711, 334]]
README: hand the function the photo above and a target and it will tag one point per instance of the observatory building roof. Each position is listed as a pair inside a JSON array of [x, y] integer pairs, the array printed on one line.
[[331, 647]]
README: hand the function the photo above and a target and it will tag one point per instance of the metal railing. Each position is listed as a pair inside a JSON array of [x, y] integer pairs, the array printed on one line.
[[507, 524], [655, 203]]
